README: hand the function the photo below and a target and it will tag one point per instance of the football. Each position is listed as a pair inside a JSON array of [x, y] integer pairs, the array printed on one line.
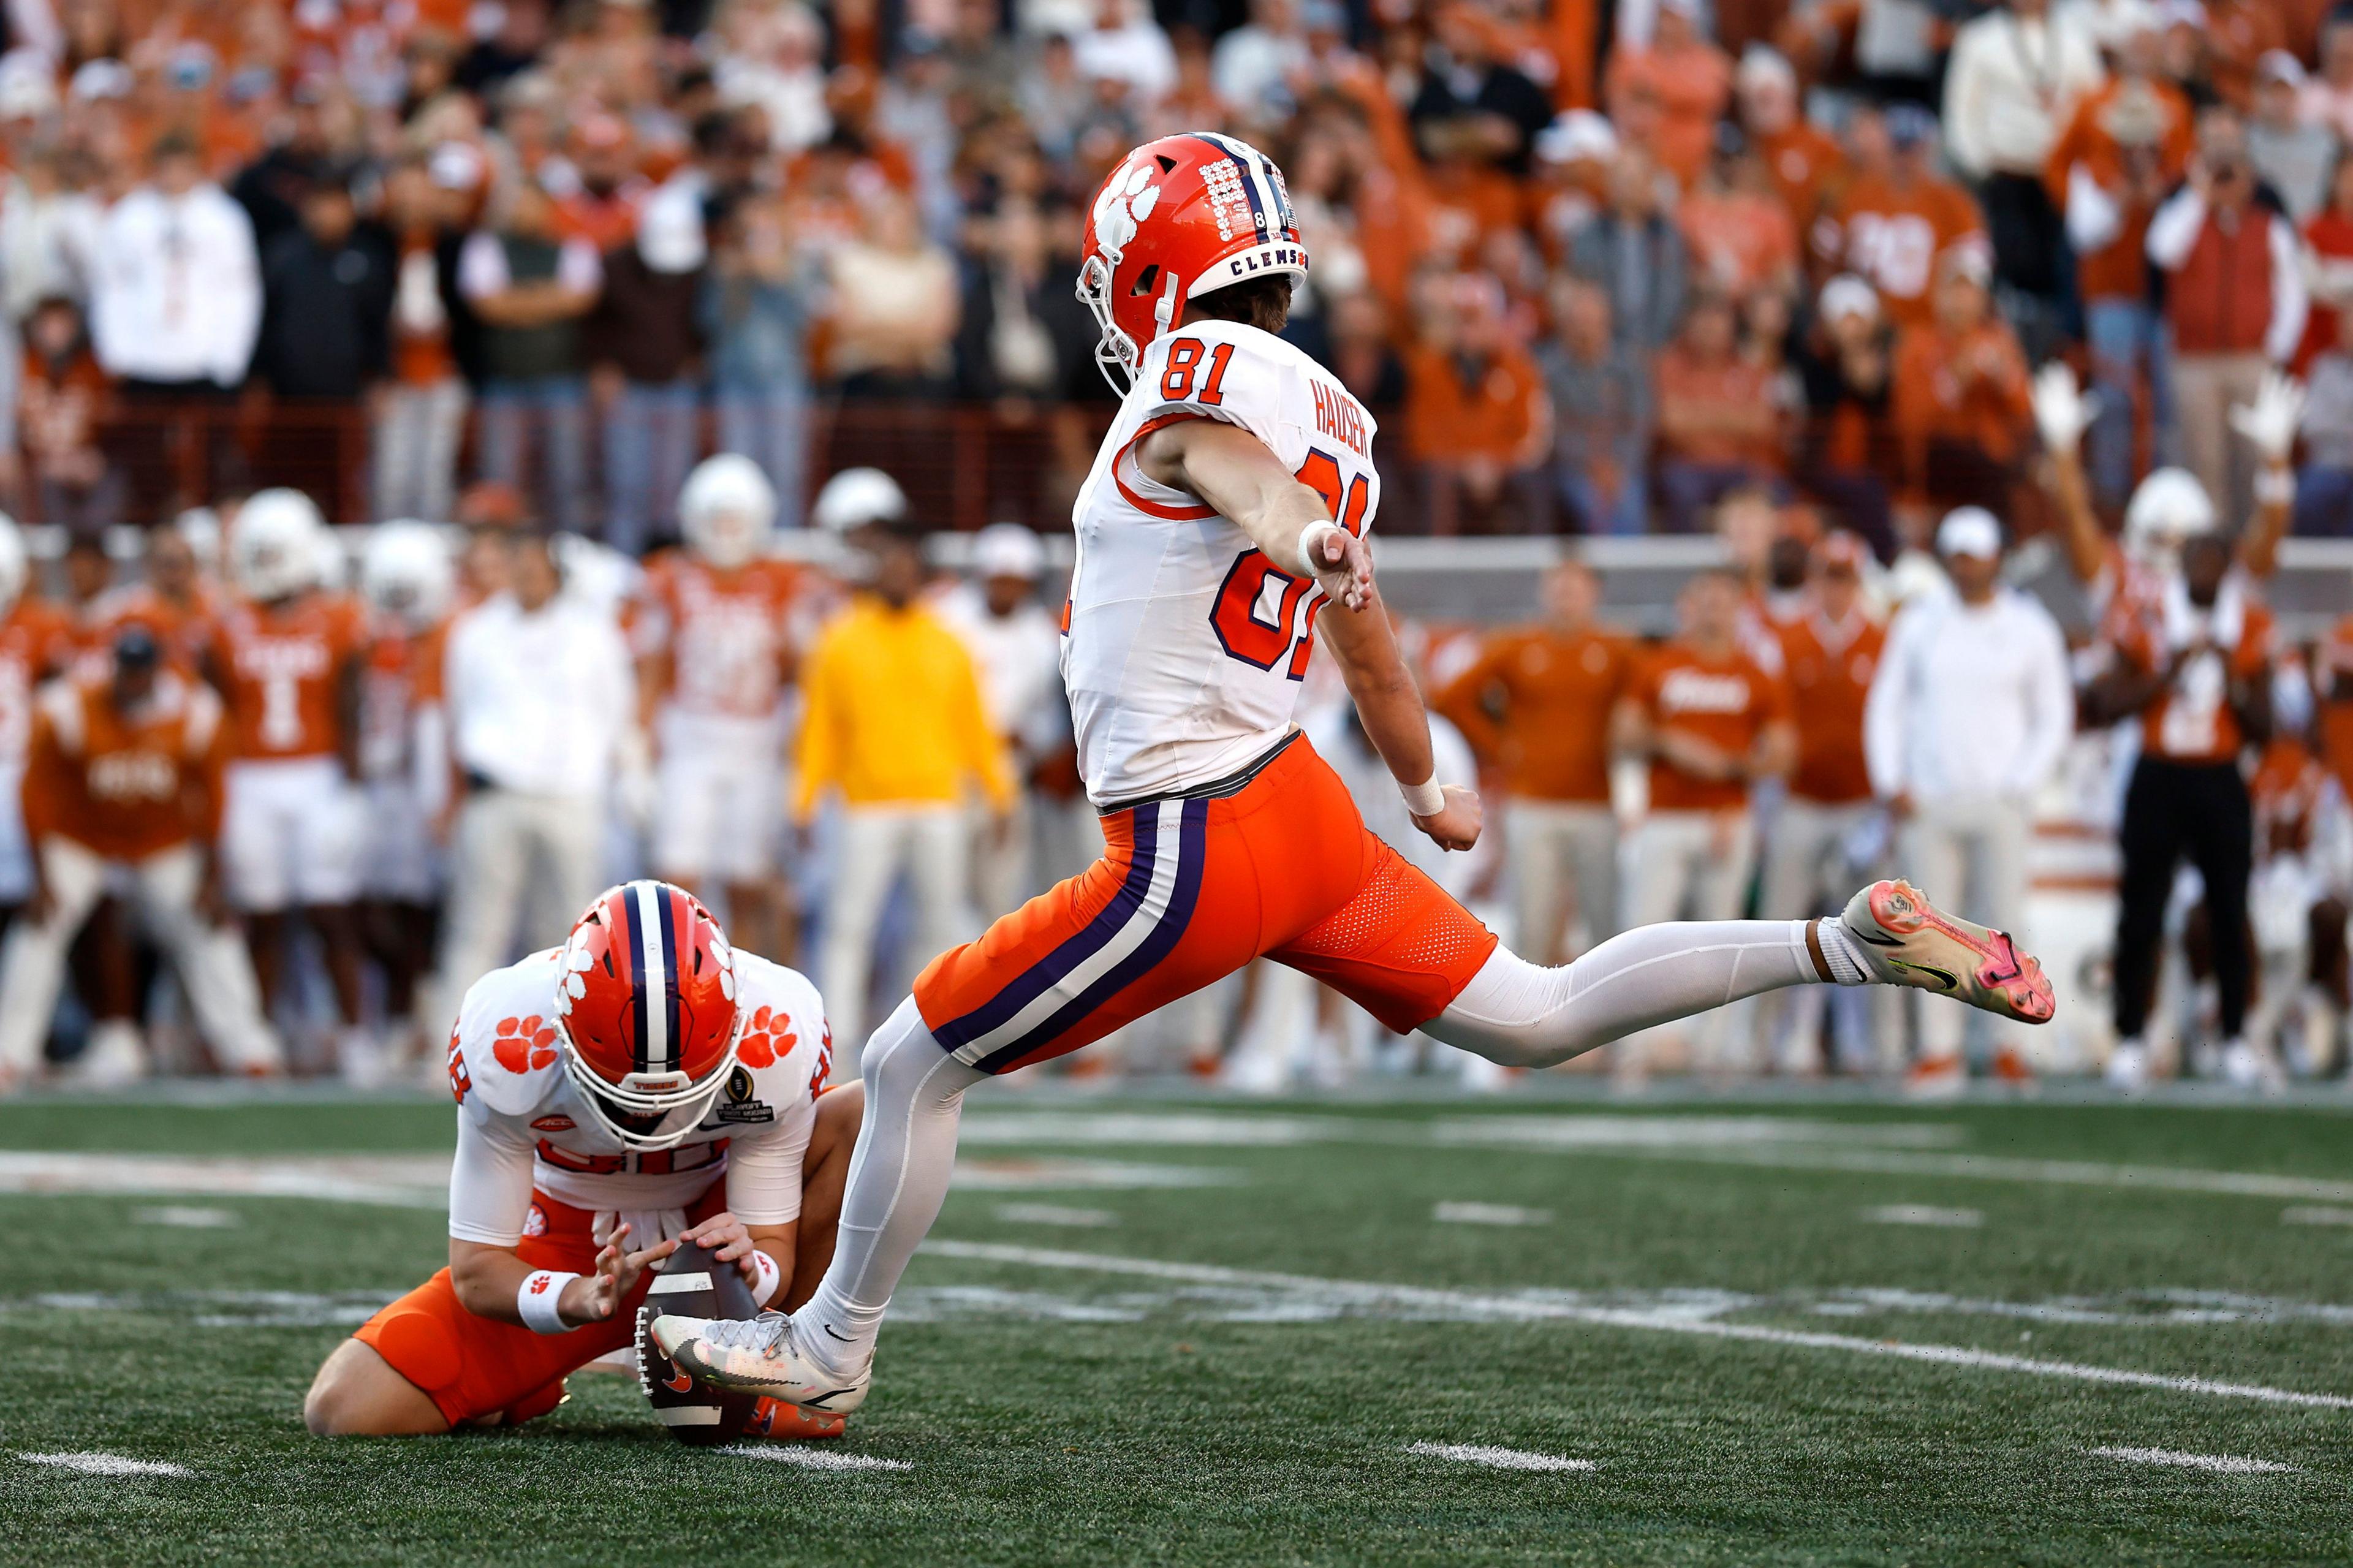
[[693, 1282]]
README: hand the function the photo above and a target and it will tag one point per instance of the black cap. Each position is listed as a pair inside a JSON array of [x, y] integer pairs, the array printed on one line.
[[135, 649]]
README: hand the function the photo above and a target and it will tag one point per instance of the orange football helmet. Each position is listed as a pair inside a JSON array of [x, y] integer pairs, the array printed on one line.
[[645, 1012], [1176, 218]]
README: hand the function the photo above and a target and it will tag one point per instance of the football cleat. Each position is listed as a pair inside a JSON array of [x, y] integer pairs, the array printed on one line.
[[759, 1356], [1903, 939]]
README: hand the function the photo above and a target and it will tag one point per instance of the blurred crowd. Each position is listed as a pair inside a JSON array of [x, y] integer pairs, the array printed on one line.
[[1595, 264]]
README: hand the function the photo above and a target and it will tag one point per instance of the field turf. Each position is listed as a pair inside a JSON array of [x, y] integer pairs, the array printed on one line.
[[1183, 1331]]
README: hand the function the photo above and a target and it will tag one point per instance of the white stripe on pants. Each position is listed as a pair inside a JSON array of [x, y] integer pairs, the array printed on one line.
[[930, 844], [1967, 854], [522, 868], [214, 967], [1547, 837], [1691, 865]]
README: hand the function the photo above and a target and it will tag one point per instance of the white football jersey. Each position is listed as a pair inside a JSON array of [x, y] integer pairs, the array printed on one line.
[[1184, 647], [521, 1126]]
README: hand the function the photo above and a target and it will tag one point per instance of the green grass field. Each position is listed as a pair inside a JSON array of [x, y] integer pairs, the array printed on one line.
[[1193, 1331]]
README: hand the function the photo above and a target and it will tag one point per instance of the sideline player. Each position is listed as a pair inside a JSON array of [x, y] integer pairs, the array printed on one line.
[[714, 639], [408, 578], [642, 1085], [287, 658], [1207, 548]]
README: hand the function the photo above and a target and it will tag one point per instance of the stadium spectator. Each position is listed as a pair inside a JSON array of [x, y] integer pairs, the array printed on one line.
[[1962, 398], [1846, 365], [645, 347], [1632, 249], [756, 311], [2328, 265], [36, 643], [2119, 157], [2011, 87], [49, 232], [1711, 724], [124, 777], [2291, 153], [893, 725], [1600, 398], [1256, 63], [2327, 96], [532, 288], [1967, 714], [1477, 421], [420, 408], [1801, 158], [1898, 218], [1684, 74], [2239, 35], [1535, 706], [175, 304], [327, 289], [1720, 424], [2234, 299], [1740, 236], [62, 398], [894, 300], [542, 705], [2323, 489]]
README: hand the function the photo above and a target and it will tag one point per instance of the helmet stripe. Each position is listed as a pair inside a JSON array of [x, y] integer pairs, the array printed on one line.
[[1250, 183], [646, 926], [632, 953], [672, 966]]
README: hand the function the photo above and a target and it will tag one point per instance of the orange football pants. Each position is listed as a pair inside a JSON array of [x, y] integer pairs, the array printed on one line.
[[472, 1367], [1277, 864]]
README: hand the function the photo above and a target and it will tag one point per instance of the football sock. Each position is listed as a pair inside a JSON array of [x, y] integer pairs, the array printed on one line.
[[1525, 1014], [898, 1177], [1838, 953]]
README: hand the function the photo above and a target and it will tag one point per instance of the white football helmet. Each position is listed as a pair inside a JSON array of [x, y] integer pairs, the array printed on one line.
[[276, 547], [200, 526], [727, 510], [407, 572], [16, 565], [856, 497], [2169, 509], [1008, 550]]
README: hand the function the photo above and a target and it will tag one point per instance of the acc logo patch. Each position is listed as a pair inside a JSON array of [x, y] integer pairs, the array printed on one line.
[[553, 1124]]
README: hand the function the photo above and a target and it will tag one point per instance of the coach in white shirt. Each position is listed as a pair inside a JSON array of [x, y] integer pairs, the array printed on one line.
[[1966, 719], [175, 295], [540, 697]]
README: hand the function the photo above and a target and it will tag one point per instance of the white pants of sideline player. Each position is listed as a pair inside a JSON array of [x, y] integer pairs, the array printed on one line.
[[1691, 865], [1966, 853], [1808, 870], [290, 833], [1559, 845], [932, 845], [214, 967], [522, 868]]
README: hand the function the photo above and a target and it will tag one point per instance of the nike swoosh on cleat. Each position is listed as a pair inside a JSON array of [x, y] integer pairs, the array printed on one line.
[[1877, 941], [819, 1402], [1952, 982]]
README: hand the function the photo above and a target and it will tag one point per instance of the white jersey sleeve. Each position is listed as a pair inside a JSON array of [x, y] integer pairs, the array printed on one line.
[[1186, 646], [489, 1182], [786, 1053]]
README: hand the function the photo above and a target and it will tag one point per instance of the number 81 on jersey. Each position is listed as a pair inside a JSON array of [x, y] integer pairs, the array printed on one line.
[[1263, 641]]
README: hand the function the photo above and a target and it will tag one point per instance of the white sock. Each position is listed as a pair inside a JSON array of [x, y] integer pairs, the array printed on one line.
[[1525, 1014], [898, 1177], [1838, 953]]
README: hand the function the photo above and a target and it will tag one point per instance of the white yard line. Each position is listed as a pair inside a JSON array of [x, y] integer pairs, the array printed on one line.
[[1518, 1308], [186, 1219], [2313, 1216], [813, 1458], [1924, 1214], [107, 1464], [1489, 1214], [1497, 1458], [1055, 1213], [399, 1181], [2223, 1464]]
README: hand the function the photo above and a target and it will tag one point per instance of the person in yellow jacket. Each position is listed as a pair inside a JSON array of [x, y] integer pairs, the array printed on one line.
[[893, 724]]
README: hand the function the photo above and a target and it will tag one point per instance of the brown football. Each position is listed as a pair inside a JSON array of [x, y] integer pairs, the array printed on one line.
[[690, 1283]]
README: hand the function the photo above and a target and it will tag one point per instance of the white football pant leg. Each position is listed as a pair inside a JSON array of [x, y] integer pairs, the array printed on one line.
[[874, 841], [215, 966], [491, 854], [33, 959]]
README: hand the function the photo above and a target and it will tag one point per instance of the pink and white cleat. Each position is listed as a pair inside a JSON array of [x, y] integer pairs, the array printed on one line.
[[1906, 940]]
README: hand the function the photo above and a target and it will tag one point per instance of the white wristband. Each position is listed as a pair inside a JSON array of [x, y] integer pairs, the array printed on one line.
[[771, 1277], [1424, 799], [536, 1298], [1308, 537], [2276, 485]]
